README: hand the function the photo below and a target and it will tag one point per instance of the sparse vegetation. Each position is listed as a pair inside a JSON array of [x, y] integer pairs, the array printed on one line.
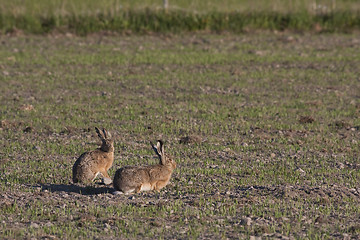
[[234, 111], [264, 127]]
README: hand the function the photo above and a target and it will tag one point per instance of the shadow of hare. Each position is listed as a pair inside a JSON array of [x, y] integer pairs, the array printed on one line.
[[73, 188]]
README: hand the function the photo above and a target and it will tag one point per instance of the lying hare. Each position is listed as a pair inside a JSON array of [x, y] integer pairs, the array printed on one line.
[[145, 178], [91, 163]]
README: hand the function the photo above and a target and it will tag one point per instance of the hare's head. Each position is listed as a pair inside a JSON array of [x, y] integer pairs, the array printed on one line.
[[106, 139], [164, 158]]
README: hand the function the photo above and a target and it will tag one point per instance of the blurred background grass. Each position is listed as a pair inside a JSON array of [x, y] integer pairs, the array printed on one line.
[[113, 7], [86, 16]]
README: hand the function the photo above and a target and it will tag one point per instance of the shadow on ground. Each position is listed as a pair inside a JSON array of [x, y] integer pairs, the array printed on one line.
[[84, 190]]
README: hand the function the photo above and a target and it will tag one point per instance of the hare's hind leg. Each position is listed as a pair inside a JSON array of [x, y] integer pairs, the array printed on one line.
[[138, 188], [146, 187], [159, 185]]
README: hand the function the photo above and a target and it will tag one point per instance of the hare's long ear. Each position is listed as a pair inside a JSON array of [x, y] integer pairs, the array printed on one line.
[[160, 147], [159, 150], [100, 134], [106, 134], [155, 150]]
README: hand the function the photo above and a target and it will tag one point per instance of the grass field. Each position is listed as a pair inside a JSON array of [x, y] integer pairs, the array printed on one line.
[[264, 128], [134, 16], [89, 7]]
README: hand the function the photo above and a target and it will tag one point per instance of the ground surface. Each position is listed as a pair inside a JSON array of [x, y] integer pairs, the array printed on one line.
[[264, 128]]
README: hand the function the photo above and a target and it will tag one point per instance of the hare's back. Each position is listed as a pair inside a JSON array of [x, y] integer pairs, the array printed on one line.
[[132, 172], [87, 160], [130, 176]]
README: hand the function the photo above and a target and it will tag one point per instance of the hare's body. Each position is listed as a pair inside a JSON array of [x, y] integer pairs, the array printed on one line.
[[145, 178], [92, 163]]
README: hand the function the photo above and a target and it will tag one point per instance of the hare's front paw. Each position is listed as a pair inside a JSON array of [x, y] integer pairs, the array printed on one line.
[[107, 181]]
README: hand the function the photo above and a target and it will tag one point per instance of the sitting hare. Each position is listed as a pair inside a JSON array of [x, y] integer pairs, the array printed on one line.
[[145, 178], [91, 163]]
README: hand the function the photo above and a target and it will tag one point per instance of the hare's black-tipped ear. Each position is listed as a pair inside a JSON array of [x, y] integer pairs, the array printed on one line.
[[160, 147], [100, 134], [106, 133], [155, 150], [159, 150]]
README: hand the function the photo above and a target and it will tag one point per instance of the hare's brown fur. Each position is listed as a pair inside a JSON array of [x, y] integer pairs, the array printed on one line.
[[95, 162], [145, 178]]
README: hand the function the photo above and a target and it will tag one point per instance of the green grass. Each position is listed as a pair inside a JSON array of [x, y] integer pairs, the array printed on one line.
[[242, 95], [85, 17], [113, 7]]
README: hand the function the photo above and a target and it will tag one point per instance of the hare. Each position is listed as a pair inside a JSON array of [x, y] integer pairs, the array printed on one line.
[[145, 178], [91, 163]]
